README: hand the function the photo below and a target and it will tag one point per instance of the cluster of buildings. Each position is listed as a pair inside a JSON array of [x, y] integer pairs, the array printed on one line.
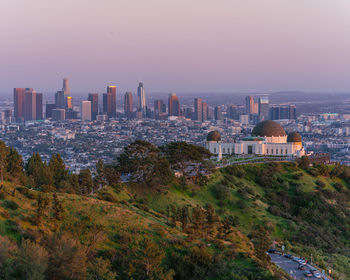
[[82, 130]]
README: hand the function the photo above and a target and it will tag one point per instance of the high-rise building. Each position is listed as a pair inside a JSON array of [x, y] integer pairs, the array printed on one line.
[[48, 111], [141, 99], [86, 110], [65, 87], [249, 105], [29, 104], [18, 98], [58, 114], [39, 106], [173, 105], [292, 112], [204, 111], [283, 112], [218, 113], [264, 107], [93, 98], [60, 100], [128, 105], [198, 109], [158, 106], [233, 112], [110, 102]]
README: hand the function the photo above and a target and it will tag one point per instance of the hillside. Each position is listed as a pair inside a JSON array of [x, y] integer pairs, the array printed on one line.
[[56, 225]]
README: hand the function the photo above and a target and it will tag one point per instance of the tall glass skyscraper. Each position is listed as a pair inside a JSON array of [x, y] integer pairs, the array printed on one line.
[[141, 99]]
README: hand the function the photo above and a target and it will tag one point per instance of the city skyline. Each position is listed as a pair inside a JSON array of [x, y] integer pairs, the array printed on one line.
[[164, 45]]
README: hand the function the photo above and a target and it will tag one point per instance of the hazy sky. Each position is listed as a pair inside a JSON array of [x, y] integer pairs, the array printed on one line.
[[176, 45]]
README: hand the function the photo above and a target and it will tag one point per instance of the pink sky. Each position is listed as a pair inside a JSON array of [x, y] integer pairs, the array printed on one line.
[[176, 45]]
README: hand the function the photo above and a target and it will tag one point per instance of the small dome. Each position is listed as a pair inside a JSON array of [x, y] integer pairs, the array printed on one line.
[[214, 136], [294, 137], [268, 129]]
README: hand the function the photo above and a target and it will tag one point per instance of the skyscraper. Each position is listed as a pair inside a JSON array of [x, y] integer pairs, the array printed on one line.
[[39, 106], [232, 112], [264, 108], [93, 98], [29, 104], [204, 111], [110, 102], [198, 109], [65, 87], [18, 98], [158, 106], [49, 109], [86, 110], [218, 113], [128, 105], [141, 99], [249, 104], [173, 105], [292, 112], [58, 114], [60, 100]]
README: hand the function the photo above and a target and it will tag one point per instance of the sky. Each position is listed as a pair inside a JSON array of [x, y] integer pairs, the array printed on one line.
[[176, 45]]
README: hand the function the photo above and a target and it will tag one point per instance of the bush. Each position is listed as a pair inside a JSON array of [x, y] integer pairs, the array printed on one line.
[[9, 204], [320, 183], [107, 197]]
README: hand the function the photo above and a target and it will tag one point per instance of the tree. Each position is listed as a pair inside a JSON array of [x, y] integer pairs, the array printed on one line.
[[261, 241], [39, 171], [185, 157], [198, 219], [143, 161], [304, 162], [112, 175], [14, 163], [58, 169], [58, 211], [31, 261], [184, 217], [100, 269], [42, 204], [3, 162], [148, 261], [67, 258], [211, 218], [85, 181]]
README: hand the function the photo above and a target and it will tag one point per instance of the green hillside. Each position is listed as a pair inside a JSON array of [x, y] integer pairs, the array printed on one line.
[[56, 225]]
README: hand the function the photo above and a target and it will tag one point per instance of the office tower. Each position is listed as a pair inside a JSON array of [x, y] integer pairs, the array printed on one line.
[[232, 112], [198, 109], [65, 87], [110, 102], [141, 99], [204, 111], [128, 105], [18, 98], [85, 110], [264, 108], [292, 112], [58, 114], [284, 113], [49, 108], [274, 113], [218, 113], [29, 104], [39, 106], [173, 105], [60, 99], [93, 98], [68, 102], [249, 105], [158, 106]]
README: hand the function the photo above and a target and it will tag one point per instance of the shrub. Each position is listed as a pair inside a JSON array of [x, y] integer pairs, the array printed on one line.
[[9, 204]]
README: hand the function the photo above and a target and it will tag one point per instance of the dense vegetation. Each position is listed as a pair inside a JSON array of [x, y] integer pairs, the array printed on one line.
[[95, 225]]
